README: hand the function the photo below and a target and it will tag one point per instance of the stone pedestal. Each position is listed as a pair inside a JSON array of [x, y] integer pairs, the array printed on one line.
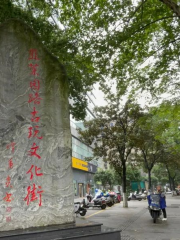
[[92, 231]]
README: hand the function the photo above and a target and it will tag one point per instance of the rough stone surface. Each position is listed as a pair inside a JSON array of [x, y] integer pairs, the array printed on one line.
[[16, 39]]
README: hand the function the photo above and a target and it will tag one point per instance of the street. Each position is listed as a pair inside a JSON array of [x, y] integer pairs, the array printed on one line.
[[136, 222]]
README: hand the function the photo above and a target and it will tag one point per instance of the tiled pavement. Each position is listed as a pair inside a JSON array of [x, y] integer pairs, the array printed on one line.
[[136, 223]]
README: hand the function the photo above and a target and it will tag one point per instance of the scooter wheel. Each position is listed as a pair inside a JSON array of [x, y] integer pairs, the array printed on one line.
[[109, 204], [103, 206], [83, 213], [154, 220]]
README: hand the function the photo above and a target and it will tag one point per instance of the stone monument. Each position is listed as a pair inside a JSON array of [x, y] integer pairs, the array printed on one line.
[[36, 180], [35, 140]]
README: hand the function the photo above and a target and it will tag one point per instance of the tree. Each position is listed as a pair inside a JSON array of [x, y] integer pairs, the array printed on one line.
[[110, 38], [132, 173], [160, 126], [172, 165], [115, 127], [148, 148], [105, 177]]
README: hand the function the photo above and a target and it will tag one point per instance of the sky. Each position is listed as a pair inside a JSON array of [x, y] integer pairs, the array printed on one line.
[[142, 98]]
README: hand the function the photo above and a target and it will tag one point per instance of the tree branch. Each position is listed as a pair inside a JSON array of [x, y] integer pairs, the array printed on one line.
[[142, 9], [52, 15], [28, 6], [173, 41], [137, 9], [145, 159], [148, 24], [173, 6]]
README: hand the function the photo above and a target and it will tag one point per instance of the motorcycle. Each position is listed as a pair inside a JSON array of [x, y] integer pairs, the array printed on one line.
[[79, 209], [117, 197], [109, 199], [97, 201], [138, 197], [154, 206]]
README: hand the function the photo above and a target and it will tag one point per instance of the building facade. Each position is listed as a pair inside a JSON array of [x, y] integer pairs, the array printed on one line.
[[83, 171], [83, 177]]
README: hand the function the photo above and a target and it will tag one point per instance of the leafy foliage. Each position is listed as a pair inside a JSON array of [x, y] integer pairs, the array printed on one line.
[[166, 122], [133, 174], [54, 22], [158, 140], [160, 173], [148, 148], [105, 177], [98, 40]]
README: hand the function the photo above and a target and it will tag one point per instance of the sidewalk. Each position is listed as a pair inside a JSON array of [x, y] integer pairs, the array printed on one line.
[[78, 199], [136, 222]]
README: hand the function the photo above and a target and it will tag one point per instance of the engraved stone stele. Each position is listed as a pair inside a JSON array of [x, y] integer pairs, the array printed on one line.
[[17, 209]]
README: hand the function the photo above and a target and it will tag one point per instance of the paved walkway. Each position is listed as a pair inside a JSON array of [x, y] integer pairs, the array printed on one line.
[[136, 222]]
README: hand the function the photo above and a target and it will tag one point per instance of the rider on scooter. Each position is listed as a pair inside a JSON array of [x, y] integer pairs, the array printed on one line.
[[162, 203]]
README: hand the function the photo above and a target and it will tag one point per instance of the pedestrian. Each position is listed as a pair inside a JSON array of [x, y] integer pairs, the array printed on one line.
[[163, 205], [90, 192]]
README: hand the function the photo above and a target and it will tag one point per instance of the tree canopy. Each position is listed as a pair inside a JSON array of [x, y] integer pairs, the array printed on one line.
[[106, 39], [115, 128], [58, 26]]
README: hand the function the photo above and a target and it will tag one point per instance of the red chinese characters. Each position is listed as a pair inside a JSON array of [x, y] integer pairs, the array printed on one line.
[[34, 148], [34, 97], [8, 182], [34, 69], [36, 171], [8, 209], [11, 146], [8, 218], [8, 198], [10, 163], [33, 132], [35, 85], [34, 118], [33, 54], [34, 192]]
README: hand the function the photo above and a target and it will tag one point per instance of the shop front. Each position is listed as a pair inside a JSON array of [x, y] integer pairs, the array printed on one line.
[[83, 177]]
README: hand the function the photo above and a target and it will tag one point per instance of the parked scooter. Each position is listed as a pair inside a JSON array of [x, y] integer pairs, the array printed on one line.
[[109, 199], [97, 201], [112, 197], [138, 197], [79, 209], [117, 197], [154, 206]]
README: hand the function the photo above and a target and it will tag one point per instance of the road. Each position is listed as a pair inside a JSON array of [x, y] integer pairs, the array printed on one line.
[[136, 222]]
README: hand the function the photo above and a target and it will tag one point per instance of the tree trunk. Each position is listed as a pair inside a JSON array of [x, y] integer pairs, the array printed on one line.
[[170, 185], [149, 179], [170, 179], [173, 184], [125, 203]]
